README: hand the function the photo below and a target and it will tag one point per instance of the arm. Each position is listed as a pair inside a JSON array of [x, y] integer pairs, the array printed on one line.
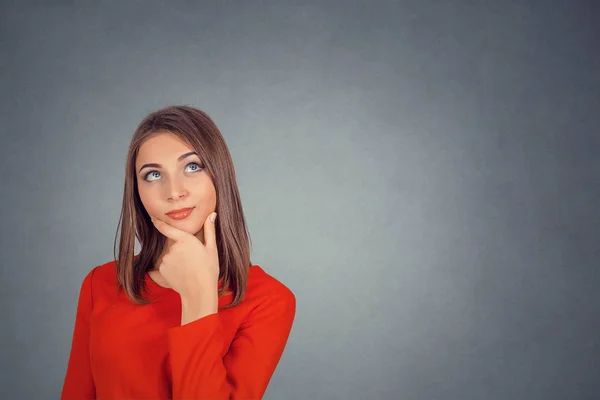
[[202, 370], [79, 383]]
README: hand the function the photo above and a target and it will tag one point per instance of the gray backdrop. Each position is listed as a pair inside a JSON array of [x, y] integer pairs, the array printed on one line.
[[423, 175]]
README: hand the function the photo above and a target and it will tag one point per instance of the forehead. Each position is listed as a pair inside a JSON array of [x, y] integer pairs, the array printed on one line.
[[163, 146]]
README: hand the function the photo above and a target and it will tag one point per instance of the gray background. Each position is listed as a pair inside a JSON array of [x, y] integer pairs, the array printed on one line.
[[423, 175]]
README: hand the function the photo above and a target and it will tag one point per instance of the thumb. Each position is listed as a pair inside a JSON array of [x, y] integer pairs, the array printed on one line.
[[210, 237]]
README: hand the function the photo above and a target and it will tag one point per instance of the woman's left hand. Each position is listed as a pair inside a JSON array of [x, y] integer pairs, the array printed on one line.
[[190, 267]]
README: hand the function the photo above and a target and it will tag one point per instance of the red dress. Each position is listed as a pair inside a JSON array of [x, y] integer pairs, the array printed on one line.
[[121, 350]]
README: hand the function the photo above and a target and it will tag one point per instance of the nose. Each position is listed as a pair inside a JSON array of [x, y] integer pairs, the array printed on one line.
[[177, 190]]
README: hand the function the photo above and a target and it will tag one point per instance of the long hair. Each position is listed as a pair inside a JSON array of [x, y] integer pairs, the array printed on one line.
[[198, 131]]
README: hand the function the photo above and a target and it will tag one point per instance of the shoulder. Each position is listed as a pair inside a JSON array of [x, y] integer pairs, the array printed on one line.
[[105, 273], [102, 275], [95, 280], [265, 292], [261, 283], [100, 278]]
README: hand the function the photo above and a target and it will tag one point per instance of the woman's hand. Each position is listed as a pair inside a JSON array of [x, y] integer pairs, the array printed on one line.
[[190, 267]]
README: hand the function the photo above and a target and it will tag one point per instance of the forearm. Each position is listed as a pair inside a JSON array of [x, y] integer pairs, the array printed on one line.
[[205, 365]]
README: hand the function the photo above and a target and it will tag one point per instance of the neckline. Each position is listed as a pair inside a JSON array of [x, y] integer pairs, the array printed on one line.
[[155, 285]]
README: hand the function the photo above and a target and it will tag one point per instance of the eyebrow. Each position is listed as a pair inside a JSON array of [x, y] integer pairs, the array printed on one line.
[[155, 165]]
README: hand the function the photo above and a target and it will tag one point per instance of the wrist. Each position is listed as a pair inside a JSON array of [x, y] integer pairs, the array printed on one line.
[[194, 307]]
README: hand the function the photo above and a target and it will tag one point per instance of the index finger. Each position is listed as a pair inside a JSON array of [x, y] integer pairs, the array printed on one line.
[[168, 230]]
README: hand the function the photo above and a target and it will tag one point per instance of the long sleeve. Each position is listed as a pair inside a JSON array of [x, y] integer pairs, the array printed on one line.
[[79, 383], [202, 370]]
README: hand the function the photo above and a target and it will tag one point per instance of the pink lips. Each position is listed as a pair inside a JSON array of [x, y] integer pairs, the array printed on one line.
[[181, 213]]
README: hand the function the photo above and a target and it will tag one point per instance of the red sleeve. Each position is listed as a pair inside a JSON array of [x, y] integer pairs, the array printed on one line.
[[200, 369], [79, 383]]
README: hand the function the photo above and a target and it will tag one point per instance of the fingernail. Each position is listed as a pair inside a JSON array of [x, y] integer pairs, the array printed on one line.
[[213, 217]]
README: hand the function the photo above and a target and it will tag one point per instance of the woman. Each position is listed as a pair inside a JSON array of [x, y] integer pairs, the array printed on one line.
[[189, 317]]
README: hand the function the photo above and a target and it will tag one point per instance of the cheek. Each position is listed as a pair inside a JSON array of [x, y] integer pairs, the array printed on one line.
[[149, 201], [205, 192], [208, 195], [208, 201]]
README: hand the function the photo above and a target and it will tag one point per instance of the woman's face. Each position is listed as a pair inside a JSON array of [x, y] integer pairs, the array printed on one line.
[[171, 183]]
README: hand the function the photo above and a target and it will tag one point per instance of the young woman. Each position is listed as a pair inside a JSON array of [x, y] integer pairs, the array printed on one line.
[[189, 317]]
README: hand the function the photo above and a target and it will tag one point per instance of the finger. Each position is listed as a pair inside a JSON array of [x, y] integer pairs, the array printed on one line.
[[209, 231], [168, 230]]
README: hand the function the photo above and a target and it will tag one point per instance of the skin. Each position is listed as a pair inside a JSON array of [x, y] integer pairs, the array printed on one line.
[[189, 263]]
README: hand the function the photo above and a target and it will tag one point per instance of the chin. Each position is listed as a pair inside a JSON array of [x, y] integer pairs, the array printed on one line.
[[195, 228], [183, 224]]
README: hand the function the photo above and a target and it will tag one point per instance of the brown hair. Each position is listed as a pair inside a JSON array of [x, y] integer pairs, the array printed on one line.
[[195, 128]]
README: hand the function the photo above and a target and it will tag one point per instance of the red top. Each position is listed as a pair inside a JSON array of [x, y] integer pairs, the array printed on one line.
[[123, 350]]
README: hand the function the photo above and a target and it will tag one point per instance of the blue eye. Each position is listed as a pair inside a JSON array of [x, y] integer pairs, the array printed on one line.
[[150, 173], [199, 167]]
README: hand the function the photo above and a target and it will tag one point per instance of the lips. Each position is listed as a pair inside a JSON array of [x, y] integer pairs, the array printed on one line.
[[180, 213]]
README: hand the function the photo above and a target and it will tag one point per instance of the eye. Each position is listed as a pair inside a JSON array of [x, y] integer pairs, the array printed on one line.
[[156, 174], [198, 166], [149, 174]]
